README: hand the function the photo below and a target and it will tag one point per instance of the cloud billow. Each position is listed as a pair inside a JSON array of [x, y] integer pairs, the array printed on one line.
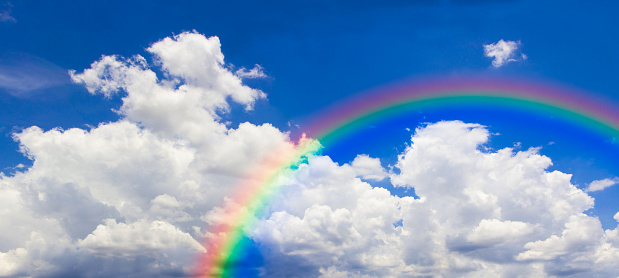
[[496, 213], [139, 187]]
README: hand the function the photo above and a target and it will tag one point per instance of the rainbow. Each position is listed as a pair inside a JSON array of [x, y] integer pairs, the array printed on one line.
[[336, 121]]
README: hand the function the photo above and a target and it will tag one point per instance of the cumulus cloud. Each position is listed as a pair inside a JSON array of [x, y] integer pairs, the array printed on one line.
[[599, 185], [126, 198], [581, 234], [329, 218], [479, 213], [368, 168], [504, 52], [127, 240], [492, 231]]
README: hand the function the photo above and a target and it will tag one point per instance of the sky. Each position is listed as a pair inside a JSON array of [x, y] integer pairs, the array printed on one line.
[[127, 128]]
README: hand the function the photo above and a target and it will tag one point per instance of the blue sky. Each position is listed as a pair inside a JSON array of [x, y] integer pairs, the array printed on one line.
[[312, 54]]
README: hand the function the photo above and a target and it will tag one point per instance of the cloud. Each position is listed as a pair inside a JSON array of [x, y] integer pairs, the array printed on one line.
[[208, 72], [185, 104], [368, 168], [21, 74], [492, 231], [5, 15], [503, 52], [256, 72], [328, 217], [128, 197], [135, 197], [599, 185], [581, 234], [479, 213], [128, 240]]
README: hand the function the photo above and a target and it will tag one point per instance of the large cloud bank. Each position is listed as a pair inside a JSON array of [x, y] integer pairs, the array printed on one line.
[[479, 214], [135, 197]]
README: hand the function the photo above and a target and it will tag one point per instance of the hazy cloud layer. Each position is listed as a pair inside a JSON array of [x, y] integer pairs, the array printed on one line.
[[21, 74], [5, 13]]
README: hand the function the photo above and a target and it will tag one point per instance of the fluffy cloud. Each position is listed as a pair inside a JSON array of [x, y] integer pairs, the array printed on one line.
[[327, 218], [493, 231], [479, 213], [503, 52], [368, 168], [127, 240], [127, 198], [581, 233], [599, 185]]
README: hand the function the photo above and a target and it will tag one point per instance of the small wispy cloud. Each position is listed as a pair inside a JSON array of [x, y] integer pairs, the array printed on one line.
[[5, 13], [600, 185], [504, 52], [256, 72], [22, 73]]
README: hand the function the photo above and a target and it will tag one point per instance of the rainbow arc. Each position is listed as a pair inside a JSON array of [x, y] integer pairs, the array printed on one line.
[[341, 119]]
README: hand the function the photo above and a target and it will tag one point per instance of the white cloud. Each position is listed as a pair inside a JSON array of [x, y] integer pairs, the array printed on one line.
[[256, 72], [613, 235], [129, 240], [9, 261], [186, 103], [480, 213], [168, 208], [368, 168], [37, 254], [492, 231], [132, 192], [200, 62], [503, 52], [329, 218], [582, 233], [599, 185]]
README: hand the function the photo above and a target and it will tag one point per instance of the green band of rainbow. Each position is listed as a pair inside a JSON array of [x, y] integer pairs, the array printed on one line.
[[338, 120]]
